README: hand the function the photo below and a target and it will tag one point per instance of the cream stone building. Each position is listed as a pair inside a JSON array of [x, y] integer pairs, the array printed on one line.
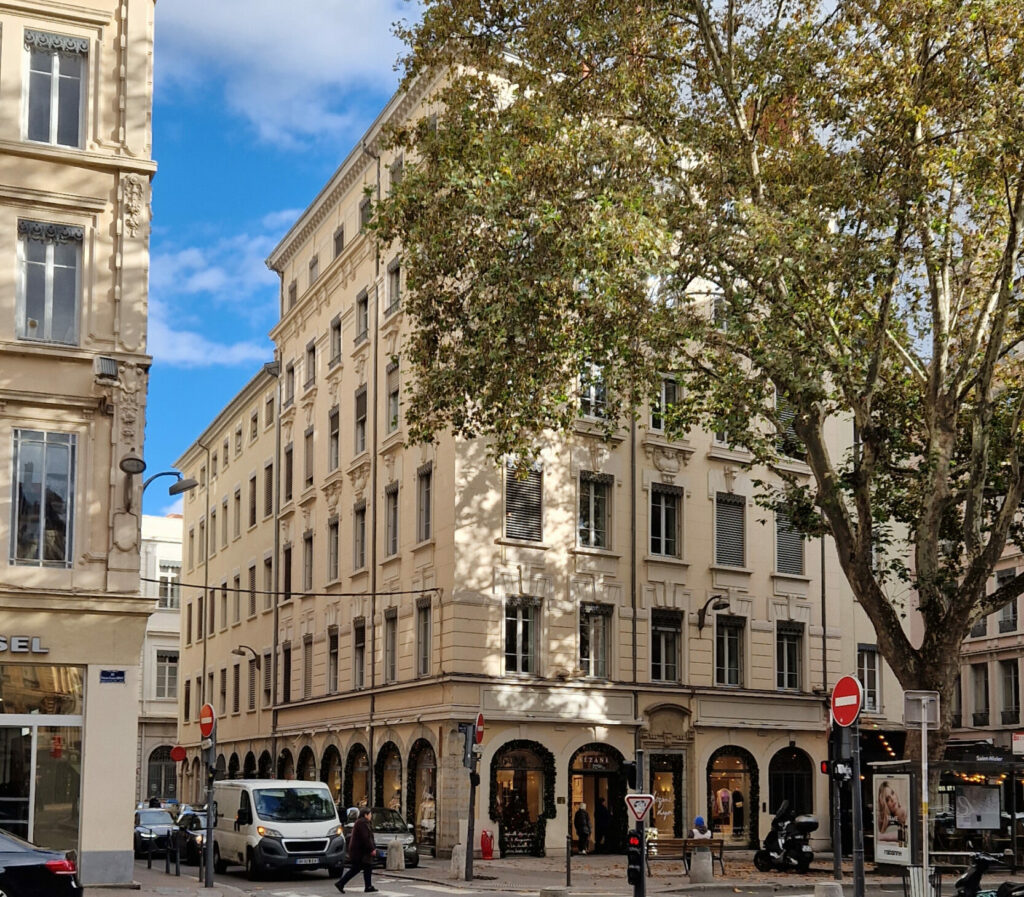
[[628, 594], [76, 86]]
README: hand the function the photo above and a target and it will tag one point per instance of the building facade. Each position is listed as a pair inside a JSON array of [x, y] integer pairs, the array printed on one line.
[[76, 84], [157, 774], [625, 594]]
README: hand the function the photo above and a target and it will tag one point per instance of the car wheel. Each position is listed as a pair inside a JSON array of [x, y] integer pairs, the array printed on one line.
[[219, 866], [412, 863], [253, 869]]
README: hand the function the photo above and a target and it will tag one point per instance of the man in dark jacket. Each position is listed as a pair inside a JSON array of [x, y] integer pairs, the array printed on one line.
[[361, 848], [581, 822]]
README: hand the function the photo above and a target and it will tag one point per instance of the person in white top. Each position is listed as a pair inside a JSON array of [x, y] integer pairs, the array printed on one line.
[[700, 830]]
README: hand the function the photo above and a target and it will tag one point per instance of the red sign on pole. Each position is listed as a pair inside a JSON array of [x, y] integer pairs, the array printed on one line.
[[207, 718], [178, 753], [847, 697], [478, 732]]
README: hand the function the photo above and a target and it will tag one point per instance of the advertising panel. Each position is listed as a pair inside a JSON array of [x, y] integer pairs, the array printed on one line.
[[977, 806], [892, 829]]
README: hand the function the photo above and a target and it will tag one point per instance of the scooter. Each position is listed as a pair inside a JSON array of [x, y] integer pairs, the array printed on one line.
[[786, 846], [969, 884]]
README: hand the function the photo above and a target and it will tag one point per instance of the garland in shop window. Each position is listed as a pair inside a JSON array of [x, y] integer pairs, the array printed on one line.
[[539, 828]]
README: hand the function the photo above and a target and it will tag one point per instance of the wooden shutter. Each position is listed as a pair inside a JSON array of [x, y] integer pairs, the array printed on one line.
[[729, 529], [789, 546], [523, 504]]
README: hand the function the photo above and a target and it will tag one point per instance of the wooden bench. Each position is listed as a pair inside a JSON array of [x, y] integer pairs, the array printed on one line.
[[715, 845]]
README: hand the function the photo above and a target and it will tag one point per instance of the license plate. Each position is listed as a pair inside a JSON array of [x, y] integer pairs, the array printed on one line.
[[306, 861]]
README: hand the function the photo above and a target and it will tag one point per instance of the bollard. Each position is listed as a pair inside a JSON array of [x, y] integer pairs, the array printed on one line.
[[568, 861], [458, 867], [396, 856], [828, 889], [701, 871], [149, 852]]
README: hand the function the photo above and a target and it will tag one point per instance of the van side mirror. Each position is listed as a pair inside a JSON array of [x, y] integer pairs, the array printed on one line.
[[244, 817]]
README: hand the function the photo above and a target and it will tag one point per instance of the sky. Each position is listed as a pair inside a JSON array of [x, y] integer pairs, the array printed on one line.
[[256, 104]]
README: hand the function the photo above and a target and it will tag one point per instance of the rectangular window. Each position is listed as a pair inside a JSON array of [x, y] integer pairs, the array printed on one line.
[[223, 704], [293, 294], [335, 341], [392, 388], [365, 212], [166, 674], [191, 548], [212, 607], [314, 269], [332, 660], [236, 595], [979, 675], [200, 618], [307, 666], [523, 504], [286, 573], [307, 446], [251, 702], [213, 531], [223, 605], [358, 654], [238, 446], [788, 651], [170, 585], [43, 498], [663, 405], [595, 509], [333, 433], [666, 641], [188, 624], [254, 425], [423, 640], [391, 520], [268, 679], [595, 641], [424, 500], [213, 465], [50, 269], [1008, 615], [362, 316], [186, 707], [665, 504], [359, 428], [289, 470], [236, 688], [394, 287], [268, 411], [224, 453], [289, 383], [310, 364], [332, 549], [252, 590], [339, 241], [789, 546], [238, 513], [519, 636], [224, 523], [268, 583], [286, 673], [268, 490], [56, 76], [252, 500], [730, 532], [359, 536], [390, 646], [307, 561], [867, 673], [1010, 675], [396, 172], [729, 650], [593, 393]]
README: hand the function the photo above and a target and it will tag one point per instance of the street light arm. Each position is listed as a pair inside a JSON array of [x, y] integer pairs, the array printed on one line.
[[715, 602], [240, 651], [183, 485]]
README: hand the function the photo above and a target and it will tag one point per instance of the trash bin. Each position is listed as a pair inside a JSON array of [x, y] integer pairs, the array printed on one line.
[[486, 845]]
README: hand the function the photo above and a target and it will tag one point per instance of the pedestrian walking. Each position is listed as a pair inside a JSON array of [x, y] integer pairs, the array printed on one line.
[[361, 849], [581, 822], [602, 823]]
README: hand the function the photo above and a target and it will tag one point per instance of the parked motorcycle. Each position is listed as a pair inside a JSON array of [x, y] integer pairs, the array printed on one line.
[[786, 848], [969, 884]]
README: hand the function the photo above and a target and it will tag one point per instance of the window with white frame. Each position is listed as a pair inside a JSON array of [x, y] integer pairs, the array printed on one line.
[[868, 674], [593, 392], [238, 513], [666, 502], [362, 316], [289, 472], [310, 364], [333, 535], [166, 674], [289, 383], [335, 341], [979, 674], [730, 529], [358, 653], [393, 395], [423, 638], [359, 536], [252, 504], [332, 660], [307, 443], [520, 635], [666, 641], [1008, 615], [49, 283], [788, 652], [56, 80], [391, 520], [789, 546], [359, 423], [523, 510], [43, 498], [169, 587], [424, 502], [394, 287], [1009, 672], [595, 640], [666, 399], [391, 645], [729, 631], [594, 509]]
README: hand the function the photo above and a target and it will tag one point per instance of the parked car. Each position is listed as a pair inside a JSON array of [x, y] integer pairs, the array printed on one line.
[[30, 871], [191, 835], [152, 830], [388, 825]]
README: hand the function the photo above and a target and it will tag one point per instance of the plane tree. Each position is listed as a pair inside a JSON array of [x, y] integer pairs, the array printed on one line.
[[806, 211]]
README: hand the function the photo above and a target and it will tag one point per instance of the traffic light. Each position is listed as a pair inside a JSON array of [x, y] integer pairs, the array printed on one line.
[[469, 734], [634, 857], [826, 767], [629, 769]]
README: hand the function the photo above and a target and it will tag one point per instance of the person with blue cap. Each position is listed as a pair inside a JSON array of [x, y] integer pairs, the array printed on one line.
[[700, 830]]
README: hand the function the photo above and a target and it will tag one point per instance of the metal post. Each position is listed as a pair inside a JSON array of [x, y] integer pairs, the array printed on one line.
[[924, 794], [473, 779], [640, 888], [858, 816], [568, 858], [210, 809], [838, 743]]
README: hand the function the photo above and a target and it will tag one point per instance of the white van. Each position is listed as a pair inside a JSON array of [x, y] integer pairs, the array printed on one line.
[[265, 824]]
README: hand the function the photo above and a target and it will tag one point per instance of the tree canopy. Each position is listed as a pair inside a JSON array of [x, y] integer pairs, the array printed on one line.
[[804, 210]]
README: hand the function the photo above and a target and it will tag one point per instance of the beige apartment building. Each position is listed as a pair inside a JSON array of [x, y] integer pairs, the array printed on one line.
[[76, 86], [366, 595]]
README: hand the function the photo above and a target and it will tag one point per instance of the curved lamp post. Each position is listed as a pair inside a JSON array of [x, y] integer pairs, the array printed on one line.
[[715, 602]]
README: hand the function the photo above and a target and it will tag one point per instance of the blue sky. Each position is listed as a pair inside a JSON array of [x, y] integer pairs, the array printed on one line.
[[256, 103]]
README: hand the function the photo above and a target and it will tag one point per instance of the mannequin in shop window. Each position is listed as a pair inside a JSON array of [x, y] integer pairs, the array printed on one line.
[[737, 810]]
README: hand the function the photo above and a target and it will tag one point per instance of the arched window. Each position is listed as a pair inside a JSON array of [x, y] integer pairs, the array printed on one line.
[[789, 778], [162, 774]]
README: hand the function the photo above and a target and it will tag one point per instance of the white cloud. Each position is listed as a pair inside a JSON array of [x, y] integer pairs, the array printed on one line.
[[186, 347], [291, 71], [175, 507]]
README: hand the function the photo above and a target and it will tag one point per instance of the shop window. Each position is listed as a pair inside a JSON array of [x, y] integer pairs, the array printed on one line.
[[520, 797], [790, 778], [732, 795]]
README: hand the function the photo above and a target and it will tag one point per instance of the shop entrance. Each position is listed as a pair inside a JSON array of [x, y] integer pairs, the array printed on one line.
[[733, 795], [598, 787]]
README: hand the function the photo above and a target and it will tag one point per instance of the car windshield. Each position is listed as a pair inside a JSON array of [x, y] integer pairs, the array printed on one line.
[[195, 820], [388, 821], [155, 817], [295, 804]]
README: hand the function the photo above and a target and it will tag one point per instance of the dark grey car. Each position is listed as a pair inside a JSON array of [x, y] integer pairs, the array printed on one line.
[[153, 828]]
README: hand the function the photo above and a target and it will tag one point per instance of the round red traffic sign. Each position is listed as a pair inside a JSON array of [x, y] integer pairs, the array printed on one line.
[[847, 697], [207, 718], [478, 732], [177, 753]]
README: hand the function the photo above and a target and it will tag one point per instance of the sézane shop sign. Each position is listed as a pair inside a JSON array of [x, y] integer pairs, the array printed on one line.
[[22, 644]]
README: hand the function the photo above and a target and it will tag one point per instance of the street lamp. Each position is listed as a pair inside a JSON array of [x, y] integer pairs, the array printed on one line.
[[715, 602], [240, 651], [183, 483]]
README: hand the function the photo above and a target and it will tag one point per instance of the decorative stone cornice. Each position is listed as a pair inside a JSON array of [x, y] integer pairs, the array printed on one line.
[[43, 40], [50, 233]]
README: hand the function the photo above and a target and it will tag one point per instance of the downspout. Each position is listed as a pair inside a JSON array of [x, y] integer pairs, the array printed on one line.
[[274, 661], [632, 575]]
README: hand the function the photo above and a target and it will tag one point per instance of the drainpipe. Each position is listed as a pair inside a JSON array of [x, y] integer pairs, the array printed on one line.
[[274, 369], [632, 576]]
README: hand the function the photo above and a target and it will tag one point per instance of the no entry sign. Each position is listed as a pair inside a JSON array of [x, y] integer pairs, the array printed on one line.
[[207, 718], [847, 697], [478, 729]]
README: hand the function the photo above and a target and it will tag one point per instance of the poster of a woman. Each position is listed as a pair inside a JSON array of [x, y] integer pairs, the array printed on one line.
[[892, 844]]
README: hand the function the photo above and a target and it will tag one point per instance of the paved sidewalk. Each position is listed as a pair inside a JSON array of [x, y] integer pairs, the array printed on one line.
[[528, 875]]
